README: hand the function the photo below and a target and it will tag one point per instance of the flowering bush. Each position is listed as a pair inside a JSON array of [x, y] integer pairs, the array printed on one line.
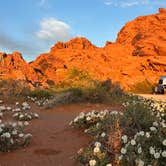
[[95, 155], [141, 129], [96, 124], [12, 136], [25, 116], [144, 141]]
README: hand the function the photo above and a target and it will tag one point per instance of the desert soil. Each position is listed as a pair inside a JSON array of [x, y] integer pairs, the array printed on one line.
[[155, 97], [54, 142]]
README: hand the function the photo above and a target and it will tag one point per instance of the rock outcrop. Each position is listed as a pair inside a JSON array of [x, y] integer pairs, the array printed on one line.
[[139, 53], [13, 66]]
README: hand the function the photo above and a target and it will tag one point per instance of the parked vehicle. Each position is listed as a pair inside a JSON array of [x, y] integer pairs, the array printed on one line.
[[161, 86]]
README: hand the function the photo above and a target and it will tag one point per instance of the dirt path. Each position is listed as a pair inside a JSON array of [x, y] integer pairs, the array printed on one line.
[[156, 97], [54, 141]]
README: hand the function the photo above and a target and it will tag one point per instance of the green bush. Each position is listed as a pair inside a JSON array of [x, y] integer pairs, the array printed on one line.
[[136, 117], [78, 74], [41, 93]]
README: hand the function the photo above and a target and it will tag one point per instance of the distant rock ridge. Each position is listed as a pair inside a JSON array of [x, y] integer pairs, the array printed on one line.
[[139, 53], [13, 66]]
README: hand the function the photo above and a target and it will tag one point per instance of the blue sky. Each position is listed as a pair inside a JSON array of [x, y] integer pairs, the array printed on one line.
[[33, 26]]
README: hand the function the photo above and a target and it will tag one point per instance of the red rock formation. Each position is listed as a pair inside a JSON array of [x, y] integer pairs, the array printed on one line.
[[13, 66], [139, 53]]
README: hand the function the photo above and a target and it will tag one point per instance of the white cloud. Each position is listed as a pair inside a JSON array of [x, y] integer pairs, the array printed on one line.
[[52, 30], [130, 3]]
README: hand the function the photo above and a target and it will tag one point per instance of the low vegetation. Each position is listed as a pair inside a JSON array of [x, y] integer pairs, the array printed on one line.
[[13, 122], [144, 87], [135, 137]]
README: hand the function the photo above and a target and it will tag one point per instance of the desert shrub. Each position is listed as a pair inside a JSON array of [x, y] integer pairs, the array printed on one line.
[[96, 124], [136, 117], [14, 87], [144, 87], [78, 74], [41, 93], [143, 142], [25, 116], [135, 137], [12, 136], [92, 90], [76, 92]]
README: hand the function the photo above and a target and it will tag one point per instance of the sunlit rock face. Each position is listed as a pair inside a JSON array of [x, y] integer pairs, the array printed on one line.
[[139, 53]]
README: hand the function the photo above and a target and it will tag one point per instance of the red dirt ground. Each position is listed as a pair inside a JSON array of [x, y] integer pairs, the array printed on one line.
[[54, 142]]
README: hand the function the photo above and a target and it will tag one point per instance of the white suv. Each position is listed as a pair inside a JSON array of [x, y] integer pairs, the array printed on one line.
[[161, 85]]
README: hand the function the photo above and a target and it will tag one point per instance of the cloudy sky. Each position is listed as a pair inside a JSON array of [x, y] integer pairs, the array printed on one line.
[[33, 26]]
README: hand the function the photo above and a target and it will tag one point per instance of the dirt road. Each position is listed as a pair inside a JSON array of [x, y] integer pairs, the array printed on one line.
[[54, 142], [156, 97]]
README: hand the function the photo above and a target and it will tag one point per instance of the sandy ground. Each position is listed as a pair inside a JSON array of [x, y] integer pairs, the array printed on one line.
[[156, 97], [54, 142]]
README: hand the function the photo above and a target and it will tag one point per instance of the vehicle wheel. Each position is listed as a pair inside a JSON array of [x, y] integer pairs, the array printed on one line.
[[155, 90], [162, 91]]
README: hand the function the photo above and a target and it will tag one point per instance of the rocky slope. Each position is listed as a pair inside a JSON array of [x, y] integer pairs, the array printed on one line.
[[139, 53], [13, 66]]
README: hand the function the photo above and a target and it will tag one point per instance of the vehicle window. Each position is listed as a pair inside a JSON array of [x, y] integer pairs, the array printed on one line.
[[160, 81]]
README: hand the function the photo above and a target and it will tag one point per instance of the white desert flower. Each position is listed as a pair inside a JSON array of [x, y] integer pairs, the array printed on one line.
[[92, 162], [96, 150], [133, 142], [147, 134], [26, 123], [82, 114], [15, 115], [14, 132], [123, 151], [163, 153], [76, 119], [1, 114], [120, 157], [7, 135], [124, 138], [164, 142], [157, 155], [88, 118], [86, 130], [16, 110], [151, 150], [17, 103], [141, 133], [153, 128], [103, 134], [21, 116], [21, 135], [9, 108], [163, 124], [155, 124], [14, 124], [36, 115], [29, 117], [2, 108], [2, 125], [98, 144], [11, 141], [140, 162], [109, 164], [97, 124], [139, 150]]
